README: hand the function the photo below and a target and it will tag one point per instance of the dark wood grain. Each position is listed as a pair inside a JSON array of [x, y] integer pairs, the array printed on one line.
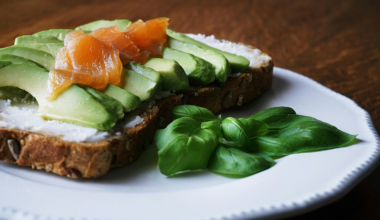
[[336, 43]]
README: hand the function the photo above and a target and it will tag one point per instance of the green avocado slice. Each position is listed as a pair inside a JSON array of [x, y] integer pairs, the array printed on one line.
[[141, 80], [40, 57], [128, 100], [198, 70], [52, 48], [4, 63], [139, 85], [221, 64], [110, 103], [238, 63], [30, 39], [16, 59], [9, 92], [144, 71], [60, 34], [74, 105], [92, 26], [16, 95], [173, 75]]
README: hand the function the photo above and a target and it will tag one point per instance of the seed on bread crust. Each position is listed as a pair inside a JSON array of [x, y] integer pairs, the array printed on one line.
[[226, 102], [243, 83], [249, 77], [14, 148], [240, 100], [73, 173]]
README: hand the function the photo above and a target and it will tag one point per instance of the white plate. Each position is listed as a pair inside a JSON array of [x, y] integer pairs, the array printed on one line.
[[296, 184]]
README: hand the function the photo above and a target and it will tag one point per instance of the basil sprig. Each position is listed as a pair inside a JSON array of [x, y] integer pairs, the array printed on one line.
[[240, 147]]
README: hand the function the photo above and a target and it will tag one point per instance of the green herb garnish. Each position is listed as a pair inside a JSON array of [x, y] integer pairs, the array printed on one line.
[[240, 147]]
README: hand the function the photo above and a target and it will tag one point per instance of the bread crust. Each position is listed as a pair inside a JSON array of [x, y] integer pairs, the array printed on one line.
[[94, 159]]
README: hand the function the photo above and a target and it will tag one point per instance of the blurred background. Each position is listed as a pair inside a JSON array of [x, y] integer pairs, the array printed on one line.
[[336, 43]]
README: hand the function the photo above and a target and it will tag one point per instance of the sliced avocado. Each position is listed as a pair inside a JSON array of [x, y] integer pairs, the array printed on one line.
[[74, 105], [139, 85], [10, 92], [120, 23], [198, 70], [60, 34], [128, 100], [238, 63], [52, 48], [16, 59], [16, 95], [4, 63], [110, 103], [145, 85], [40, 57], [174, 77], [30, 39], [145, 71], [222, 67]]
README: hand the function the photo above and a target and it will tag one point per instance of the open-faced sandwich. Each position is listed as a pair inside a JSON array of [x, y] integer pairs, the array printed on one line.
[[79, 102]]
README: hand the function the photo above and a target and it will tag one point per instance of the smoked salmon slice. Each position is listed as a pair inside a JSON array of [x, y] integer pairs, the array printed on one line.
[[85, 60], [97, 58], [149, 36]]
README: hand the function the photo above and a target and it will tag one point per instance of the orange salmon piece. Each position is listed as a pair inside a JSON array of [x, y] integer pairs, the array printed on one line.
[[71, 35], [89, 55], [111, 36], [84, 60], [149, 36], [57, 83]]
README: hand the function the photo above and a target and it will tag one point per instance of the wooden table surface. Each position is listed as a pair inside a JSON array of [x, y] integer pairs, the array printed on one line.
[[336, 43]]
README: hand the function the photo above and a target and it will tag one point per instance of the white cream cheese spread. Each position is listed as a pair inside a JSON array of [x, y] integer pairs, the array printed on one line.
[[24, 117]]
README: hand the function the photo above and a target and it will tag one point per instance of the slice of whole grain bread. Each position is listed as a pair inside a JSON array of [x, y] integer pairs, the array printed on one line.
[[94, 159]]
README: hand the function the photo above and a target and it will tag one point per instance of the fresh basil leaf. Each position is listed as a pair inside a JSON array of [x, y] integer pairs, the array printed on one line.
[[255, 128], [284, 121], [198, 113], [184, 146], [271, 114], [214, 126], [234, 162], [225, 143], [234, 130], [297, 134]]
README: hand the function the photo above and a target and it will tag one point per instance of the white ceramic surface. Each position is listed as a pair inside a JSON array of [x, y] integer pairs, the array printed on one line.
[[296, 184]]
